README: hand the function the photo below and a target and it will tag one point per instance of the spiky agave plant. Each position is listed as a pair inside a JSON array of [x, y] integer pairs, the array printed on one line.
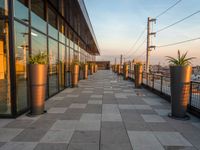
[[181, 60]]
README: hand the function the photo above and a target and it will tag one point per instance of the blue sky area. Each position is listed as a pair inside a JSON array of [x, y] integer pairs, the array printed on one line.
[[118, 23]]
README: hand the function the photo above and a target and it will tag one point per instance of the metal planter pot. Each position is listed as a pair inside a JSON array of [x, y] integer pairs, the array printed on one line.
[[91, 69], [125, 68], [85, 74], [38, 83], [95, 68], [138, 75], [75, 75], [118, 70], [180, 90]]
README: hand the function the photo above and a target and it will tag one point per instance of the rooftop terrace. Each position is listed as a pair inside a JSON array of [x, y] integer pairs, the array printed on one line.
[[104, 113]]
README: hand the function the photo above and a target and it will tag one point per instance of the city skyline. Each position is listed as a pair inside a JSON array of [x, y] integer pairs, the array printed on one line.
[[118, 24]]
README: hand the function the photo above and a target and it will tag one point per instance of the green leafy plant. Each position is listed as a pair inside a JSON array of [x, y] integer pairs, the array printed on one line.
[[75, 62], [138, 64], [181, 60], [40, 58]]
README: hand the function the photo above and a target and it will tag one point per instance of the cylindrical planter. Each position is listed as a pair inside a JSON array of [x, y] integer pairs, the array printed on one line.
[[75, 75], [91, 69], [85, 74], [180, 90], [125, 68], [115, 68], [95, 68], [138, 75], [118, 69], [80, 74], [38, 83]]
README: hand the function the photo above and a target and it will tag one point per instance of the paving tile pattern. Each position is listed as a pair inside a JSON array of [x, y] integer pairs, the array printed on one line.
[[103, 113]]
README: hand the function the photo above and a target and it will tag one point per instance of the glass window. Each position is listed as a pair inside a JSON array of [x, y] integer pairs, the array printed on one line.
[[38, 15], [5, 105], [21, 10], [21, 57], [53, 66], [61, 66], [39, 42], [67, 67], [61, 31], [52, 26]]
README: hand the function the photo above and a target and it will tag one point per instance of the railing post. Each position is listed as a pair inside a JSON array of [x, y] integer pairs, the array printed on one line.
[[190, 101], [153, 82], [161, 84]]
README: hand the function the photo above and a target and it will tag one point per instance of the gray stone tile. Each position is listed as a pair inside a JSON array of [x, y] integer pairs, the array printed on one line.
[[142, 107], [87, 92], [95, 102], [144, 140], [72, 95], [76, 105], [126, 106], [111, 117], [7, 134], [4, 122], [88, 126], [112, 125], [29, 135], [43, 124], [51, 146], [19, 146], [160, 126], [83, 146], [57, 110], [57, 136], [163, 112], [2, 143], [90, 117], [152, 101], [137, 126], [116, 147], [20, 124], [114, 137], [96, 96], [65, 125], [153, 118], [171, 139], [85, 137], [127, 117], [179, 148]]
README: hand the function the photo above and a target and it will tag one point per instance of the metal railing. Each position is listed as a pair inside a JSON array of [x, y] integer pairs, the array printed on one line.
[[160, 85]]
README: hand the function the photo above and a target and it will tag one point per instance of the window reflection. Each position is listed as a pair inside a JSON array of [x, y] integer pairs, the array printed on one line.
[[21, 10], [53, 66], [52, 26], [61, 66], [39, 42], [21, 57], [5, 107], [38, 15]]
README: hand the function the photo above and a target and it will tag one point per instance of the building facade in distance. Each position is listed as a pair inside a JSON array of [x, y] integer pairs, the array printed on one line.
[[61, 28]]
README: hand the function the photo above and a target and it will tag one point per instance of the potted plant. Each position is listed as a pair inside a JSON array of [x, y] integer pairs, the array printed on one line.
[[125, 69], [180, 71], [81, 71], [91, 67], [75, 73], [138, 74], [95, 68], [85, 71], [118, 69], [38, 82]]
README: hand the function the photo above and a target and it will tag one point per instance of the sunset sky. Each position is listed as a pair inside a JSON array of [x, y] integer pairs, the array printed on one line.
[[118, 23]]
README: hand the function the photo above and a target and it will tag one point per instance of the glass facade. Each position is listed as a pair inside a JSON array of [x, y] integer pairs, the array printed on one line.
[[5, 101], [36, 27]]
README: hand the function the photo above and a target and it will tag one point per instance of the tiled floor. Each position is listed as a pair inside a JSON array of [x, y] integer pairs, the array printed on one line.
[[104, 113]]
